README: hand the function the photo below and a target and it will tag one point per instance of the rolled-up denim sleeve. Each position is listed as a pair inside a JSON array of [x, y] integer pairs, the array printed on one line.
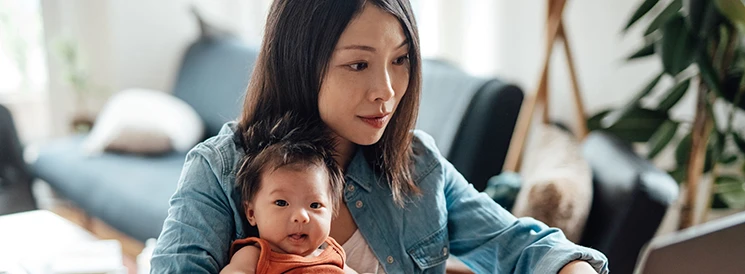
[[489, 239], [197, 232]]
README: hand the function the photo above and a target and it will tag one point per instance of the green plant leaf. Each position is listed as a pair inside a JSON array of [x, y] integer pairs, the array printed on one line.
[[643, 9], [674, 94], [731, 190], [696, 10], [731, 86], [728, 159], [679, 174], [707, 72], [718, 140], [646, 50], [664, 16], [637, 126], [717, 202], [661, 138], [683, 152], [703, 17], [734, 11], [622, 112], [739, 141], [677, 46]]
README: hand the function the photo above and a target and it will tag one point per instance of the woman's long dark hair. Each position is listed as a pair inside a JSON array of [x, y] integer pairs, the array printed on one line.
[[299, 40]]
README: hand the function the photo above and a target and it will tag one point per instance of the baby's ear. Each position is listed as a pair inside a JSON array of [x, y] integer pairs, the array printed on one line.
[[250, 213]]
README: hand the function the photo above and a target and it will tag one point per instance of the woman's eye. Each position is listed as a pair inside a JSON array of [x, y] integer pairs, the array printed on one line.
[[280, 203], [358, 66], [315, 205], [401, 60]]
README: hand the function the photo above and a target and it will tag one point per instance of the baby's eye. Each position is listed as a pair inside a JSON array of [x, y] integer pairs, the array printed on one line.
[[280, 203], [315, 205]]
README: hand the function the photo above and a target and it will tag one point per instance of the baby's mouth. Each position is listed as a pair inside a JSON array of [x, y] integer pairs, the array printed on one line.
[[297, 236]]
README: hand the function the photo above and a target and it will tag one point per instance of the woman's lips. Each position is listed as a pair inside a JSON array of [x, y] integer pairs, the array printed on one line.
[[375, 121]]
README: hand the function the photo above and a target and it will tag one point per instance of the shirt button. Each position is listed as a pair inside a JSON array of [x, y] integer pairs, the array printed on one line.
[[444, 251], [358, 204], [390, 259], [350, 188]]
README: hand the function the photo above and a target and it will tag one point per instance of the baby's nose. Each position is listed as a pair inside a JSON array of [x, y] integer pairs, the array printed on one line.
[[301, 216]]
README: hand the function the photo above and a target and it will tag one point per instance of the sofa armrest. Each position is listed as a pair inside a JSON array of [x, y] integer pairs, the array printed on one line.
[[630, 199], [471, 118], [481, 144]]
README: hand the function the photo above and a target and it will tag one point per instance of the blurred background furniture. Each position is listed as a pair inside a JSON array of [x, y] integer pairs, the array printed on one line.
[[15, 178], [131, 192], [39, 240], [631, 197]]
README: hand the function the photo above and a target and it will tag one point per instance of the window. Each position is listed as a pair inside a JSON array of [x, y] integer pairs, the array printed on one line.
[[22, 61]]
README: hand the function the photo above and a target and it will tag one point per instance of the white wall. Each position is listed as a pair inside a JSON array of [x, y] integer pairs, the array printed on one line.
[[506, 39], [138, 43], [133, 43], [85, 22]]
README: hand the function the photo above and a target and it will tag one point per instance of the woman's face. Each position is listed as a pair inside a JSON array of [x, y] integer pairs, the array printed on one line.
[[366, 77]]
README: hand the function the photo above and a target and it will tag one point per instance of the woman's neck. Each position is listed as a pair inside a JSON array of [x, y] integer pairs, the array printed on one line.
[[345, 150]]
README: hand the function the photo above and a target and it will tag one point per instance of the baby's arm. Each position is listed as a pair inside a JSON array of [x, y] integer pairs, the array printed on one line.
[[243, 261]]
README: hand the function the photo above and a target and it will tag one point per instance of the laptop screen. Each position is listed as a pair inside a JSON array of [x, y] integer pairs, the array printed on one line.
[[717, 246]]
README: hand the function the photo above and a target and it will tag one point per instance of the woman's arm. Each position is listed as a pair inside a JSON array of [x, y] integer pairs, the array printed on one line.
[[489, 239], [244, 261], [198, 230]]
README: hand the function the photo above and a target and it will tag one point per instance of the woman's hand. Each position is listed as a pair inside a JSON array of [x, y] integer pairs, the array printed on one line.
[[577, 267]]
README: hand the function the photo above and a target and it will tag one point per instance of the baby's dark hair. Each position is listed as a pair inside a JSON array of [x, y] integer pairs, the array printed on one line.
[[287, 141]]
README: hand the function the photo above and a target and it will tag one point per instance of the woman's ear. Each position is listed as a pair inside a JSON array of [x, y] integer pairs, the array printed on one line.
[[250, 213]]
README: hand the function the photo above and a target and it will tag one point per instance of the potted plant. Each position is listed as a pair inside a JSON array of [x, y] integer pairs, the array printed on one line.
[[77, 77], [701, 44]]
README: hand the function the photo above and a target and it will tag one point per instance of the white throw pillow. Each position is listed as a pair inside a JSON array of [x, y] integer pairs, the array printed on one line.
[[144, 121]]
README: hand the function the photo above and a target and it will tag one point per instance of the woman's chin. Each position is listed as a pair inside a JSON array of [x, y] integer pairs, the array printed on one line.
[[368, 140]]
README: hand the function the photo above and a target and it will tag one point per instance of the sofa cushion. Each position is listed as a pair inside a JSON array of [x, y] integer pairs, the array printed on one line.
[[557, 185], [471, 119], [126, 191], [145, 121], [213, 77]]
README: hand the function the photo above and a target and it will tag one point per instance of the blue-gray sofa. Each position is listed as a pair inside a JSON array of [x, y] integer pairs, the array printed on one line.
[[470, 118]]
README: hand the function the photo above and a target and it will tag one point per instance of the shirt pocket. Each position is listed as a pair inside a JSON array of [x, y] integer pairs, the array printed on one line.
[[431, 251]]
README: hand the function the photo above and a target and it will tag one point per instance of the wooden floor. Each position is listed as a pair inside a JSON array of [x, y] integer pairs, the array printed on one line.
[[130, 247], [47, 199]]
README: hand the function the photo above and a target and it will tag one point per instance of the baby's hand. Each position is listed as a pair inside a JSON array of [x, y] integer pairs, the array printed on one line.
[[244, 261]]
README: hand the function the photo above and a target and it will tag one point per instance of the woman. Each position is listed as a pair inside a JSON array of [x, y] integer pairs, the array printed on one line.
[[355, 65]]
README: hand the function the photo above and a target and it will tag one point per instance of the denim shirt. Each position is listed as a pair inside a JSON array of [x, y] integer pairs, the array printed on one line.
[[449, 218]]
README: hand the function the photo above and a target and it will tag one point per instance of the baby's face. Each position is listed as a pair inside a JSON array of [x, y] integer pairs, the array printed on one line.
[[292, 209]]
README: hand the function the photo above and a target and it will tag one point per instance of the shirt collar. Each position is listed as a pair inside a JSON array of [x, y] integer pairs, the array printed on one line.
[[360, 171]]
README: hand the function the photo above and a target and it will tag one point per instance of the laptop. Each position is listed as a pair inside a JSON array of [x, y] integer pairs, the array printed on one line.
[[717, 246]]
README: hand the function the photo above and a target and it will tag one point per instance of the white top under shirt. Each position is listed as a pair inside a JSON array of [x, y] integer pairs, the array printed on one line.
[[359, 255]]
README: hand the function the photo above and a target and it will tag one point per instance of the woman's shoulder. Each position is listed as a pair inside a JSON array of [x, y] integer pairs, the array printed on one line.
[[221, 151], [426, 156]]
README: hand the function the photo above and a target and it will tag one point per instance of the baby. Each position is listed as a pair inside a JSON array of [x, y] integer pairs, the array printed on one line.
[[291, 188]]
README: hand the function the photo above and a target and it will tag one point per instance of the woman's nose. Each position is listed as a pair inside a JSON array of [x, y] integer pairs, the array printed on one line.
[[300, 216], [382, 87]]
